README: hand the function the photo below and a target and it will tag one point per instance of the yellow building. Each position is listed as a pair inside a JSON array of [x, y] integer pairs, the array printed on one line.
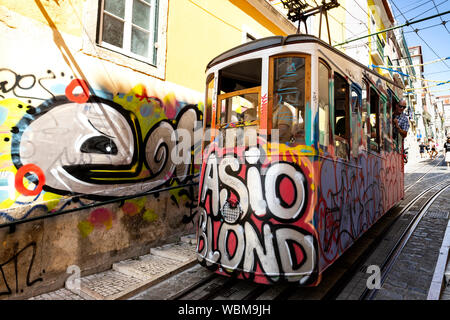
[[91, 93]]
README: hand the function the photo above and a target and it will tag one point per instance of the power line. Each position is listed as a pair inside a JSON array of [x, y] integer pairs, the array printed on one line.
[[408, 23], [441, 17], [393, 28], [417, 7], [420, 13], [424, 28]]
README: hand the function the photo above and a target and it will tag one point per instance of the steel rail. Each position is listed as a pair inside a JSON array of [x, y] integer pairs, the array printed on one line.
[[369, 294], [348, 275]]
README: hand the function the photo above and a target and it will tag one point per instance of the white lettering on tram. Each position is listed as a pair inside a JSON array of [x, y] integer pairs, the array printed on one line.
[[278, 248]]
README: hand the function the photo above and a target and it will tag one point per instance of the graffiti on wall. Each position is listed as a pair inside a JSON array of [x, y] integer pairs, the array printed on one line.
[[11, 272], [70, 145]]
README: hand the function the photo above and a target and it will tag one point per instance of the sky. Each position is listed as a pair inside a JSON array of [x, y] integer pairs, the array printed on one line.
[[435, 40]]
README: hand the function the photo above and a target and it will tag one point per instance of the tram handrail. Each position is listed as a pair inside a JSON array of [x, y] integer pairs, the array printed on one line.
[[12, 225]]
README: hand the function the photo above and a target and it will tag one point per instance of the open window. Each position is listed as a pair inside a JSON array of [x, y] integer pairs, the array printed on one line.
[[238, 102], [387, 123], [374, 119], [396, 137], [289, 86], [341, 117]]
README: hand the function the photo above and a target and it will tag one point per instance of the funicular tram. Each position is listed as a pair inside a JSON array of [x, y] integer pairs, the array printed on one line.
[[299, 161]]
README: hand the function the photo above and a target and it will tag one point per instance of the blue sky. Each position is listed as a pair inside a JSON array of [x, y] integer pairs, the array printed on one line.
[[435, 36]]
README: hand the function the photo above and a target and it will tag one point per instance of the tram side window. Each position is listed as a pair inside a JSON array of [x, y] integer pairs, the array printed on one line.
[[387, 123], [396, 138], [324, 105], [288, 111], [374, 120], [207, 117], [356, 121], [364, 115], [341, 117]]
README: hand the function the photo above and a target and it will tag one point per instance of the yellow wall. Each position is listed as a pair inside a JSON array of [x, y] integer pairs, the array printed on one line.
[[198, 31], [66, 15], [380, 26]]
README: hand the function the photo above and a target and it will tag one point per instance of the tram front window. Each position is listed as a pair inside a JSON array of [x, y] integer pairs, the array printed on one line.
[[288, 108]]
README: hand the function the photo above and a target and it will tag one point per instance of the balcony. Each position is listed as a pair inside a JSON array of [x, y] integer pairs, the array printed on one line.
[[377, 51]]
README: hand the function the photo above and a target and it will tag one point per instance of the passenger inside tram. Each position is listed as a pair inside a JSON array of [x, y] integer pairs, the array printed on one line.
[[298, 134], [282, 119]]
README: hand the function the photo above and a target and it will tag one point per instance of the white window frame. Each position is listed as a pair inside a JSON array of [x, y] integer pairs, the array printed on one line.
[[128, 24], [94, 46]]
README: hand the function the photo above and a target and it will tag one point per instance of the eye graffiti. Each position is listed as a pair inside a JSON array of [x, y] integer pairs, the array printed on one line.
[[98, 148], [101, 145]]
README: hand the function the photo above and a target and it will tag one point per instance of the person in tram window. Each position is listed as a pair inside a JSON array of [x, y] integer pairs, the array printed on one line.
[[282, 119], [400, 121], [447, 152], [250, 115]]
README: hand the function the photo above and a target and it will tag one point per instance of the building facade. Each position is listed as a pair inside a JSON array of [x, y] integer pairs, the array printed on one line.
[[91, 93]]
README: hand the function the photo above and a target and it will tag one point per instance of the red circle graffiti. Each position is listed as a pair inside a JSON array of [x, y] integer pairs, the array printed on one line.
[[18, 183], [79, 98], [287, 191], [232, 243]]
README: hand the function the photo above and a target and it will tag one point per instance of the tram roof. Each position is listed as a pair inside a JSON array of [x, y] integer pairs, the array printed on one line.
[[275, 41]]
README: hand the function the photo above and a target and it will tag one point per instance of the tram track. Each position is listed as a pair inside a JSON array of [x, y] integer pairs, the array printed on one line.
[[421, 177], [401, 243]]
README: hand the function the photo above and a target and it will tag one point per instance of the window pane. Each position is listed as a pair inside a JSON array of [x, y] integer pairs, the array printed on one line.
[[324, 115], [289, 94], [341, 118], [116, 7], [240, 108], [112, 31], [356, 122], [141, 14], [139, 42]]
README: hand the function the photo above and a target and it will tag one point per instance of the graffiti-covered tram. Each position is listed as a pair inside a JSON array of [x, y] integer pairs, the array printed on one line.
[[299, 158]]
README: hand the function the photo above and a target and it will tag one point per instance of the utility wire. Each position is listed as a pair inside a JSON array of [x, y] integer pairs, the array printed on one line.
[[424, 28], [417, 7], [443, 22], [422, 12], [395, 27], [416, 21]]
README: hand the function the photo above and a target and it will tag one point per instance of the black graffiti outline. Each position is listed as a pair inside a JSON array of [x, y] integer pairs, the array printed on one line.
[[15, 258], [84, 172]]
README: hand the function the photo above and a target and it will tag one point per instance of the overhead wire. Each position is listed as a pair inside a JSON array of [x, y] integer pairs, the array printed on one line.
[[443, 22], [423, 11], [409, 22]]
